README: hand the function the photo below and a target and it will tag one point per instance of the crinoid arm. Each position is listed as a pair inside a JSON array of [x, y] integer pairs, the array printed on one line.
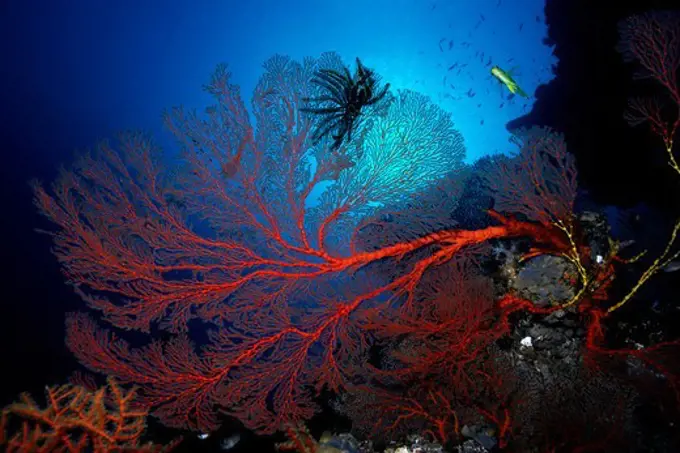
[[321, 110], [341, 99], [380, 96], [325, 126], [334, 83]]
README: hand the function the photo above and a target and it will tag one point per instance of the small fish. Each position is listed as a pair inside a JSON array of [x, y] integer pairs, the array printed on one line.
[[450, 44], [481, 16], [470, 93], [521, 26], [501, 106], [481, 122], [673, 266], [625, 244], [441, 49], [230, 442], [538, 18], [453, 66], [506, 79]]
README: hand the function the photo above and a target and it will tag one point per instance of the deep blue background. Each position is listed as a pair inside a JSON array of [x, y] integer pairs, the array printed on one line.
[[73, 72]]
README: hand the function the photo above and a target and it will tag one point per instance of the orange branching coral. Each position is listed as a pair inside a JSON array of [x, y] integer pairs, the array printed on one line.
[[77, 420]]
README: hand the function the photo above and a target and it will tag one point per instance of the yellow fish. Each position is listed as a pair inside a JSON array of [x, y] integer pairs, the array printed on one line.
[[506, 79]]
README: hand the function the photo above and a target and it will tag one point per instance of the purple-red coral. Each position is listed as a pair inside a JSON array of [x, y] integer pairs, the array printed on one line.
[[539, 182]]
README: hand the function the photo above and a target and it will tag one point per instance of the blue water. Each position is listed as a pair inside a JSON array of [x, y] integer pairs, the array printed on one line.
[[87, 69]]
